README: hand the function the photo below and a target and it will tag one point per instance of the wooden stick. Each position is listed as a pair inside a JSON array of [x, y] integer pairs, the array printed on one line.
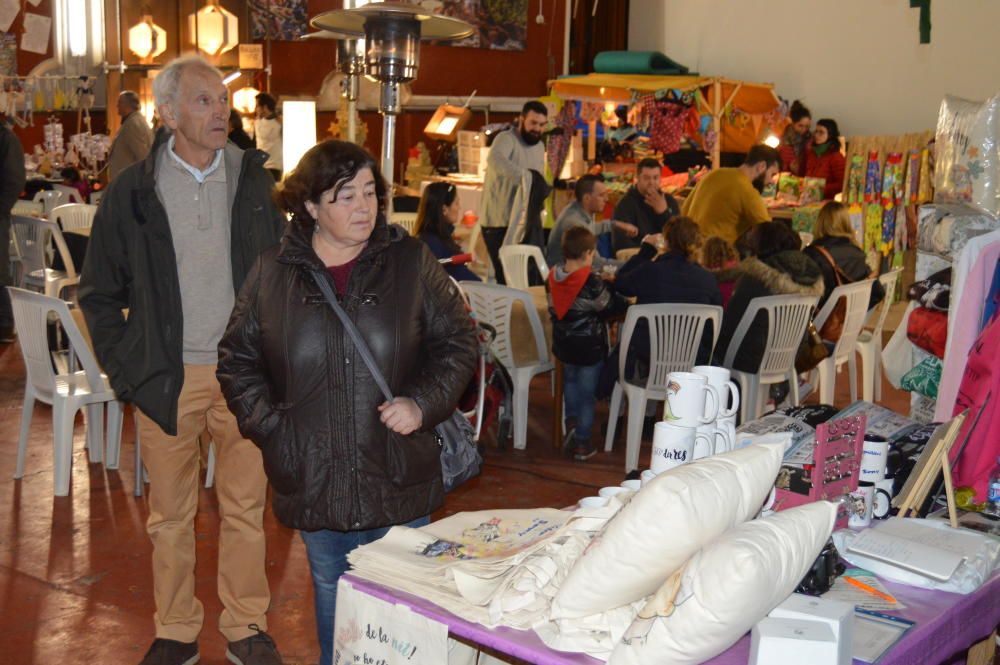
[[949, 491]]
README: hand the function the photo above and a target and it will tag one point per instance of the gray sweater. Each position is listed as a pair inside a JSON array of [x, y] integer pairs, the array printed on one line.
[[574, 215]]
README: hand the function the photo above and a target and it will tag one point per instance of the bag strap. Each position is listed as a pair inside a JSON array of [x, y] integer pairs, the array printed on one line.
[[353, 333], [837, 272]]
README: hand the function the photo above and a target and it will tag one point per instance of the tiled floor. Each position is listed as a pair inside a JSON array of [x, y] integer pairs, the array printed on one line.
[[74, 571]]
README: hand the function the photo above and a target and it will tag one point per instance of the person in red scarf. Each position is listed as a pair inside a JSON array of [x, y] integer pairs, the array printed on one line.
[[579, 303], [823, 158]]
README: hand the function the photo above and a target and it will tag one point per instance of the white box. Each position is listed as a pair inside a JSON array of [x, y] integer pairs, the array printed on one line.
[[784, 641], [837, 615]]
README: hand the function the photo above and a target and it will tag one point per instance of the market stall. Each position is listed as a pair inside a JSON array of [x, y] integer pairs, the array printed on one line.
[[731, 114], [618, 579]]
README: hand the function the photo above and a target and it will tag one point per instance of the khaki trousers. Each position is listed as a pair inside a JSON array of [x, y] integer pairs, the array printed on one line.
[[173, 464]]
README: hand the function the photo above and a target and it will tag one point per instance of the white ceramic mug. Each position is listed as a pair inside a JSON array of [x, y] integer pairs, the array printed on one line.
[[646, 476], [715, 441], [690, 400], [632, 485], [673, 445], [608, 492], [593, 502], [873, 459], [719, 378], [726, 427]]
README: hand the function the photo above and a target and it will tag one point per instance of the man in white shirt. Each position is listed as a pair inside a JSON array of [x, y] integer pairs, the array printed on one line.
[[267, 131], [513, 156]]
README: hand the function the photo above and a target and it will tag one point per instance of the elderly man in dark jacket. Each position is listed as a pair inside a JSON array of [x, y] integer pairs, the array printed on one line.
[[11, 186], [173, 240]]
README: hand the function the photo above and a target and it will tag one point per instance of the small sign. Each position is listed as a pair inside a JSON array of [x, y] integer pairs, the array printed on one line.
[[251, 56], [370, 631]]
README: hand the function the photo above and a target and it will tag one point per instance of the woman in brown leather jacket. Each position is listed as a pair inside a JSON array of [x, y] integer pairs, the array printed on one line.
[[344, 464]]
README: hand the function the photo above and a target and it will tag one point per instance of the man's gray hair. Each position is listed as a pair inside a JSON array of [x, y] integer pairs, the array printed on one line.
[[168, 81], [131, 98]]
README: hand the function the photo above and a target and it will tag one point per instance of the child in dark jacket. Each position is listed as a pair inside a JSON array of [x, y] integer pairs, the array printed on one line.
[[579, 302]]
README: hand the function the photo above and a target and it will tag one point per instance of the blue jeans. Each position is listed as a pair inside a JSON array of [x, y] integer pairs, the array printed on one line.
[[327, 552], [579, 388]]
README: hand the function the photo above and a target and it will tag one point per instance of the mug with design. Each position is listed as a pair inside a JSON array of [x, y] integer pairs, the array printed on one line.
[[860, 506], [691, 401], [875, 452], [673, 445], [719, 378]]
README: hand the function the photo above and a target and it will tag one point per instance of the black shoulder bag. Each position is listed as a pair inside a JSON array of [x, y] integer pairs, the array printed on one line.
[[460, 459]]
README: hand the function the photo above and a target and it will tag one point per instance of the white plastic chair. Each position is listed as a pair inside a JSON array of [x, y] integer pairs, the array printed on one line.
[[95, 197], [33, 238], [28, 208], [72, 194], [515, 260], [408, 220], [787, 317], [675, 333], [493, 304], [483, 266], [50, 199], [73, 216], [858, 295], [869, 344], [67, 393]]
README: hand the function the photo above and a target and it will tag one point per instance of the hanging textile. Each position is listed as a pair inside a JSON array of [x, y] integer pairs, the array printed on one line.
[[558, 144], [912, 191], [890, 183], [925, 191], [666, 124], [855, 196], [873, 209], [591, 112]]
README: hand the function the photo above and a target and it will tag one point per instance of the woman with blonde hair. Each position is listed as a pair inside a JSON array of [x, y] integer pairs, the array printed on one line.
[[836, 251]]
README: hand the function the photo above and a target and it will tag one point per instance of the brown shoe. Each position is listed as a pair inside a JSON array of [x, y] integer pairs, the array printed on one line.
[[257, 649], [171, 652]]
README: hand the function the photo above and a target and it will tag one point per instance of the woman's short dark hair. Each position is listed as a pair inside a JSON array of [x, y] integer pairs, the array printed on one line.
[[770, 238], [683, 236], [798, 111], [327, 165], [832, 131], [430, 217]]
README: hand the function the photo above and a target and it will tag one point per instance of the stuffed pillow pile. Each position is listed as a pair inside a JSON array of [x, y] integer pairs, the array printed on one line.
[[726, 588], [670, 519]]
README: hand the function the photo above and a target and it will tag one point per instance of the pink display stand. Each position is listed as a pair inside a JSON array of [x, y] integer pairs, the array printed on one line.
[[835, 468]]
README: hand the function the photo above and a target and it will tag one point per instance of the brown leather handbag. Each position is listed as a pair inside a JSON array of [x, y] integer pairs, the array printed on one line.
[[834, 324]]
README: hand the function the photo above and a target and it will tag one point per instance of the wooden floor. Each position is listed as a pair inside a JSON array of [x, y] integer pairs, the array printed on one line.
[[75, 571]]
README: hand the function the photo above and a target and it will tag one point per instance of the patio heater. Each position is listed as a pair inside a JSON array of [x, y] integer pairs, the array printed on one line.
[[392, 32]]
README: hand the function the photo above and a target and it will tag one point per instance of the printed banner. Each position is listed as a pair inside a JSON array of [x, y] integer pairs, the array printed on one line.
[[370, 631]]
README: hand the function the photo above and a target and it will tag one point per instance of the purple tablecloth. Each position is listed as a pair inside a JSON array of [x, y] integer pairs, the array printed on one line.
[[947, 625]]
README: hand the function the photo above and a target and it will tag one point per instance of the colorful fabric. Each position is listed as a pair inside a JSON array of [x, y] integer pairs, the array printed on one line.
[[854, 196], [873, 209], [925, 191], [924, 378], [911, 194], [928, 329], [891, 182], [558, 145]]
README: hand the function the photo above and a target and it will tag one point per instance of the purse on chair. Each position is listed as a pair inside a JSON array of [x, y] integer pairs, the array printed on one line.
[[812, 351], [834, 324], [460, 459]]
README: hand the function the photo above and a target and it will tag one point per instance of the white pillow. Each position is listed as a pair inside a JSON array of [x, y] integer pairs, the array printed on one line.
[[667, 521], [726, 588]]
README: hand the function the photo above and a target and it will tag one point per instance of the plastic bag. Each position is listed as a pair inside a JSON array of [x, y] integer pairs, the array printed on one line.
[[897, 355], [967, 153]]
